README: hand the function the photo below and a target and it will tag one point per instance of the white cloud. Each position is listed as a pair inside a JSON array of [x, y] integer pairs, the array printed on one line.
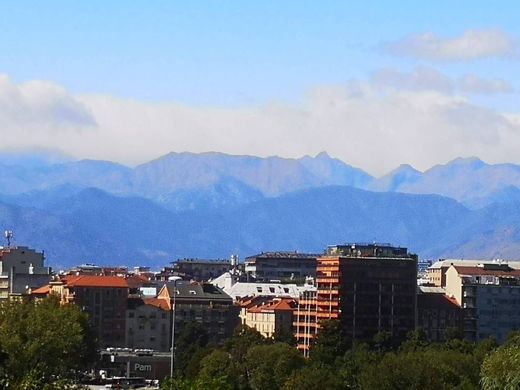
[[38, 104], [471, 45], [429, 79], [421, 78], [372, 128], [473, 84]]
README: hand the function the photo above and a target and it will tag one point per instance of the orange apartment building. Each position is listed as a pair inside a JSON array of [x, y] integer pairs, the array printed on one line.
[[369, 288]]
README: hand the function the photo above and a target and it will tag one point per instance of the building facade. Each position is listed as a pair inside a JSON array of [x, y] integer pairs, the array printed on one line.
[[436, 273], [199, 269], [21, 270], [268, 315], [281, 266], [369, 288], [103, 298], [438, 313], [202, 303], [148, 323], [489, 295]]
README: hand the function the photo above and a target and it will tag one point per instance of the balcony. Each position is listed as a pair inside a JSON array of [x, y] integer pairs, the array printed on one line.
[[327, 268], [326, 291], [327, 280], [326, 315], [333, 303]]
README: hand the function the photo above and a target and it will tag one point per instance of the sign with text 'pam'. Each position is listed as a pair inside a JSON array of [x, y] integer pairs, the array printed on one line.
[[142, 367]]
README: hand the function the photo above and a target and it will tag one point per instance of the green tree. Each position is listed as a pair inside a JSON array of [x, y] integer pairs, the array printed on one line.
[[417, 339], [45, 343], [350, 366], [284, 336], [237, 347], [312, 378], [192, 339], [383, 341], [242, 339], [218, 364], [431, 368], [501, 369], [330, 343], [195, 384], [269, 366]]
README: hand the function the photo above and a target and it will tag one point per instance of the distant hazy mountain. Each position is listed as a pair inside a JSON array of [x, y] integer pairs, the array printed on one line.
[[404, 175], [92, 225], [212, 205], [181, 181], [468, 180], [272, 176]]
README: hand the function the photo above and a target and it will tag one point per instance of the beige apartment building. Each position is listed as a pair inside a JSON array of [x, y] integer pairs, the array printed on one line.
[[489, 295], [268, 315]]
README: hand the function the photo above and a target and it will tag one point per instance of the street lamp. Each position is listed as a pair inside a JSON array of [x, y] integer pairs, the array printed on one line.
[[173, 279]]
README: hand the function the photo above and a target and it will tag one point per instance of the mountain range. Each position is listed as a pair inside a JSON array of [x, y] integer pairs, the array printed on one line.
[[212, 205]]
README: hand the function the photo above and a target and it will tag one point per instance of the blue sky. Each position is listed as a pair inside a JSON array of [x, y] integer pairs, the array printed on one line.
[[239, 57]]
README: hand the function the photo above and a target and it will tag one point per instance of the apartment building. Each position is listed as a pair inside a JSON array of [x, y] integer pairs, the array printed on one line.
[[436, 273], [203, 303], [21, 270], [201, 269], [281, 266], [369, 288], [148, 323], [489, 295], [103, 298], [267, 315], [438, 313]]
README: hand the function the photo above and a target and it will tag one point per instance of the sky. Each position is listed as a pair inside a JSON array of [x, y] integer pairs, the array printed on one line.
[[374, 83]]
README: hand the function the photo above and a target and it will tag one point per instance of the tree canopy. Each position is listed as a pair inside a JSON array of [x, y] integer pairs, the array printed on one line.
[[43, 344], [248, 361]]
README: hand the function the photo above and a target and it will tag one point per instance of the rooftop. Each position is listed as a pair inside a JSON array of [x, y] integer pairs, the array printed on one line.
[[283, 255], [95, 281], [202, 261], [160, 303], [368, 250], [472, 262], [272, 305], [484, 271], [196, 290]]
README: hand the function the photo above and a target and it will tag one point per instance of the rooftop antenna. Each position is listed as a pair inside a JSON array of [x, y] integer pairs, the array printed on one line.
[[8, 234]]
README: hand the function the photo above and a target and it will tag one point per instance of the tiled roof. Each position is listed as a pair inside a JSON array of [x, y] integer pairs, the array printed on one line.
[[437, 301], [276, 304], [136, 281], [157, 302], [96, 281], [43, 290]]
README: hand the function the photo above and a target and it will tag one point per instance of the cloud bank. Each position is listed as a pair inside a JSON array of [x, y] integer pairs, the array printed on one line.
[[363, 124], [426, 78], [471, 45], [36, 104]]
